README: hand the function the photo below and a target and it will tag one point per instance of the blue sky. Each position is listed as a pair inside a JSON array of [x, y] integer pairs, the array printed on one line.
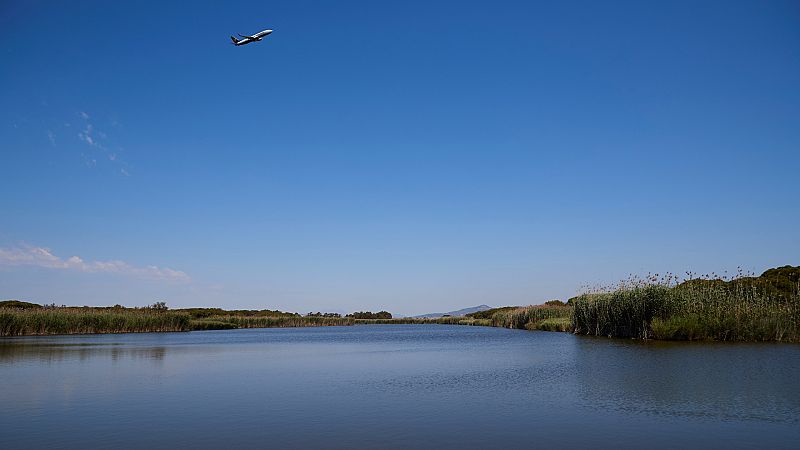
[[409, 156]]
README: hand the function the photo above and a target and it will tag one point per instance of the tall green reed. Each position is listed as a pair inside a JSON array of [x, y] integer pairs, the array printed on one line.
[[48, 321], [728, 309]]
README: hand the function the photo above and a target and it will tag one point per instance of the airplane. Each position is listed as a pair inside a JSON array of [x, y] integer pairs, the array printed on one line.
[[248, 39]]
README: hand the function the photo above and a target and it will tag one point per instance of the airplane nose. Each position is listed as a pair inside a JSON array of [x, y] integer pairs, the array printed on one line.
[[269, 31]]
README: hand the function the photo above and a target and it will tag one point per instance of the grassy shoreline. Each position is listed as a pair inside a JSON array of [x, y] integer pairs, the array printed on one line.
[[450, 320], [697, 311], [764, 308], [61, 321], [234, 322]]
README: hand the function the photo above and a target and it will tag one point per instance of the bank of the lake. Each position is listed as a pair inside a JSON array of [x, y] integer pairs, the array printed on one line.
[[45, 321], [763, 308], [740, 308], [42, 321]]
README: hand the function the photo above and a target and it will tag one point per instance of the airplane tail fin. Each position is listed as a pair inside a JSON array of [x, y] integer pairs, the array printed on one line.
[[234, 40]]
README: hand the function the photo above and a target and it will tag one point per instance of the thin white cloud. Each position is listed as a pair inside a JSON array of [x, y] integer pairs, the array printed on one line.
[[51, 137], [86, 136], [99, 141], [44, 257]]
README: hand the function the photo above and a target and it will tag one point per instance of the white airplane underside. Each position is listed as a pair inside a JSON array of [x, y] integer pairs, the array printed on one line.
[[248, 39]]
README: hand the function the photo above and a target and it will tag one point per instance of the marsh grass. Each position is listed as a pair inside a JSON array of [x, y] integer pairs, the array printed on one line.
[[211, 324], [546, 318], [451, 320], [561, 324], [16, 321], [527, 317], [738, 309], [625, 312], [230, 322], [205, 313], [487, 314], [49, 321]]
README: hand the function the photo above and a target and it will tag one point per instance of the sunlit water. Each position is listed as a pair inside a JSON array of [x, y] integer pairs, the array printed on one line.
[[398, 386]]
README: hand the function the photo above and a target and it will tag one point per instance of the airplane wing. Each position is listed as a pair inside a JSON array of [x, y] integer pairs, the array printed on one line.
[[246, 37]]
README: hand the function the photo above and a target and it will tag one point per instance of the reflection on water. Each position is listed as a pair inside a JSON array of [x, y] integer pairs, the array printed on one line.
[[405, 386], [53, 352], [710, 380]]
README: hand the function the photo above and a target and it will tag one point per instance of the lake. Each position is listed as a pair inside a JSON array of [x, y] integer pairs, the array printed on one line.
[[394, 386]]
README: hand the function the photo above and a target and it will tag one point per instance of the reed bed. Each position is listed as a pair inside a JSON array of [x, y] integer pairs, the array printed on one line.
[[230, 322], [546, 318], [487, 314], [205, 313], [450, 320], [625, 312], [707, 309], [527, 316], [560, 324], [50, 321]]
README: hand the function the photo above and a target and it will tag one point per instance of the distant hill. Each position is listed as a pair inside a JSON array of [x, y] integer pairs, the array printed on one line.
[[460, 312]]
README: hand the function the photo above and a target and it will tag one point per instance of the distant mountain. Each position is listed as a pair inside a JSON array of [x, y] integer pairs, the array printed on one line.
[[460, 312]]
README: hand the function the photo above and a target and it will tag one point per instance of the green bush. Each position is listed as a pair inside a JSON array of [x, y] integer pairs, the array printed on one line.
[[18, 304]]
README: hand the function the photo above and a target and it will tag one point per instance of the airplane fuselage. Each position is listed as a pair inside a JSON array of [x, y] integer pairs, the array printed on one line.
[[248, 39]]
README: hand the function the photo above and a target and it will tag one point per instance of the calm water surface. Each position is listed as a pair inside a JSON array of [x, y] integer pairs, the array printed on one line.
[[398, 386]]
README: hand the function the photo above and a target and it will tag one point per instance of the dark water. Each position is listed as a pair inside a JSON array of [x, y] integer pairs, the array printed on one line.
[[398, 386]]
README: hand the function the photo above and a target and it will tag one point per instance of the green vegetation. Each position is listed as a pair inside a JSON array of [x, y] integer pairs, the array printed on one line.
[[49, 320], [201, 313], [546, 318], [765, 308], [487, 314], [26, 319], [18, 304], [712, 307], [370, 315], [448, 320], [228, 322], [562, 324], [529, 316], [740, 308], [220, 319], [555, 303], [327, 314]]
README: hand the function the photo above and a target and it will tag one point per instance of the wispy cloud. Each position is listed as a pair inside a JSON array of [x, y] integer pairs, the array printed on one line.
[[51, 137], [98, 141], [43, 257], [86, 136]]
